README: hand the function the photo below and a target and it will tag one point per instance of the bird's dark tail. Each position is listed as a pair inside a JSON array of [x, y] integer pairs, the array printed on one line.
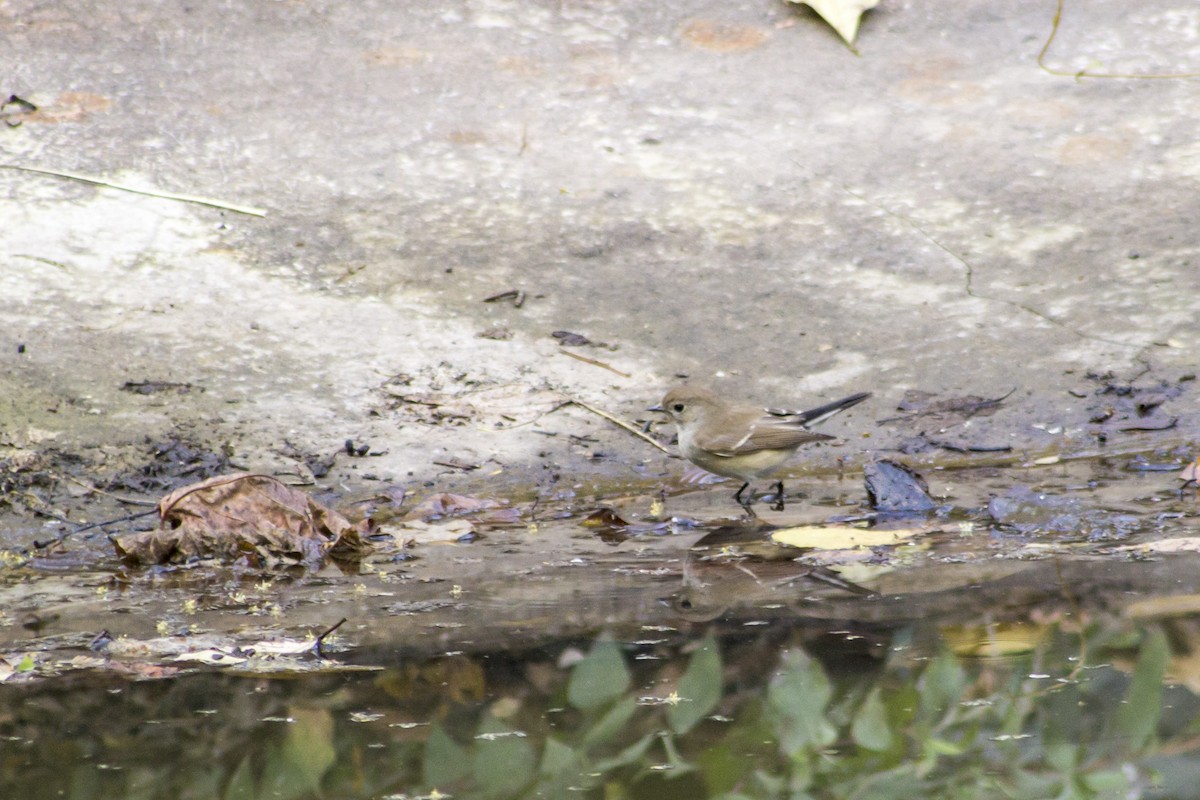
[[821, 413]]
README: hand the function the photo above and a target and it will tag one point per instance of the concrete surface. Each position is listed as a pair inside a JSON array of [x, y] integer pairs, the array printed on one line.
[[714, 189]]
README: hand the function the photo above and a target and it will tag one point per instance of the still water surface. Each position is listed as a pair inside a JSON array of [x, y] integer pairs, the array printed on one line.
[[995, 662]]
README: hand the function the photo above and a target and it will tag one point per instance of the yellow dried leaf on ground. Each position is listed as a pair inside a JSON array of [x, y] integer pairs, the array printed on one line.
[[1185, 544], [841, 537], [842, 15]]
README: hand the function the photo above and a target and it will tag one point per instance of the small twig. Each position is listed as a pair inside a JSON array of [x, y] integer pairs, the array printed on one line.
[[129, 500], [183, 198], [618, 422], [62, 536], [594, 362], [457, 465], [1084, 73], [320, 639], [516, 295]]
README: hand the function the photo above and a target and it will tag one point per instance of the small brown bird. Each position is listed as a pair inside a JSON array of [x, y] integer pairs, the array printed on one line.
[[743, 441]]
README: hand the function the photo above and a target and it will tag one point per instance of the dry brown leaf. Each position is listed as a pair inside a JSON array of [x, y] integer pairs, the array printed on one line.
[[249, 516], [604, 518], [842, 15], [451, 531], [445, 504]]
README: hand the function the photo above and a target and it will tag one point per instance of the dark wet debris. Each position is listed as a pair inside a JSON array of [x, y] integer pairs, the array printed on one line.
[[159, 387], [894, 488], [917, 403], [923, 442], [1133, 406], [571, 339], [172, 464], [14, 108]]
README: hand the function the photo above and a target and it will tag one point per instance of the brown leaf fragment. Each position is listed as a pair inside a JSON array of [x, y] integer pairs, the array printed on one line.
[[243, 516], [444, 504], [499, 334], [722, 37], [1149, 401], [603, 518], [1158, 423], [918, 403], [571, 339]]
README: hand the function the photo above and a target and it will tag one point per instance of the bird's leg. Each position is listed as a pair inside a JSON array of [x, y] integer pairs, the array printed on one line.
[[745, 504], [778, 496]]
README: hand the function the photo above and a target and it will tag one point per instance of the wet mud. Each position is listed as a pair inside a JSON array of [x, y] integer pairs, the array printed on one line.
[[527, 648]]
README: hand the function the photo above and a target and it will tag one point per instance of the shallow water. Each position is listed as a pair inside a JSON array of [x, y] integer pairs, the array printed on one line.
[[1032, 657]]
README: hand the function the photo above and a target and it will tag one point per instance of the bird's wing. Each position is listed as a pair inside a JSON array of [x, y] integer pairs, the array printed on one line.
[[767, 434]]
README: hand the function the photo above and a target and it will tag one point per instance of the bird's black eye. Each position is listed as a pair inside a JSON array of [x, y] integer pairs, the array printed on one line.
[[677, 408]]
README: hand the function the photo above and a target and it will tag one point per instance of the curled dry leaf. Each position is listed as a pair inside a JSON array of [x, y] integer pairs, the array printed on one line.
[[254, 517], [451, 531], [604, 518]]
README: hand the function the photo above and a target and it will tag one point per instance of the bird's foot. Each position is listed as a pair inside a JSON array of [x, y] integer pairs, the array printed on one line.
[[778, 505]]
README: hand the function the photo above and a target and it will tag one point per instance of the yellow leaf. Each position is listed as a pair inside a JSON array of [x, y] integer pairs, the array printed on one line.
[[1174, 605], [842, 15], [1187, 544], [993, 640], [840, 537]]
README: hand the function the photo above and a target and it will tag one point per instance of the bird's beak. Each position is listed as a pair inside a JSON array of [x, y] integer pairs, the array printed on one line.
[[657, 407]]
